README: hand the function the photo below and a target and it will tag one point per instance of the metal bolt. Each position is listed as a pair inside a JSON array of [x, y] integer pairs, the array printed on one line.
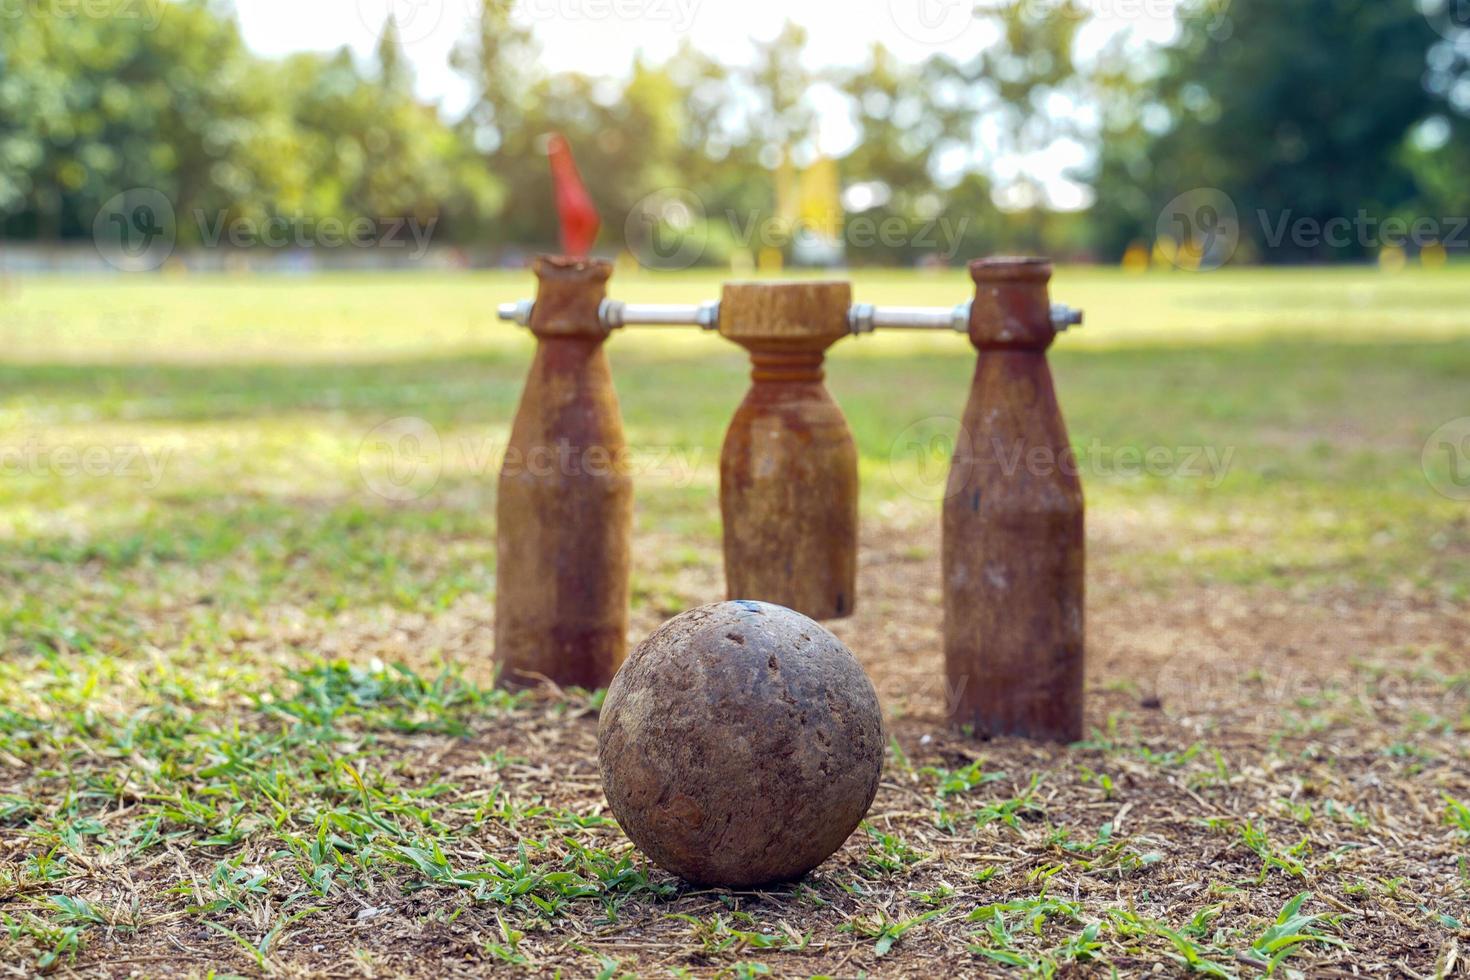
[[709, 315], [611, 313], [1064, 316], [519, 313]]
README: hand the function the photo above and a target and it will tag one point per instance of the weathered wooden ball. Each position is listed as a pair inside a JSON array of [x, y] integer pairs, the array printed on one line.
[[740, 745]]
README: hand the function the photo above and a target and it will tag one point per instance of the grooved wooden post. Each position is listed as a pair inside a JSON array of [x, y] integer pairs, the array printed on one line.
[[788, 470], [564, 514], [1013, 525]]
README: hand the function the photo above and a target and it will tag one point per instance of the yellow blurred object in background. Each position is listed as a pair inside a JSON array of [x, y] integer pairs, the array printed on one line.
[[821, 200], [1135, 259]]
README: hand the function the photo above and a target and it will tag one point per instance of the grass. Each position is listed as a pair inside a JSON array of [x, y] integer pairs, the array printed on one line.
[[248, 722]]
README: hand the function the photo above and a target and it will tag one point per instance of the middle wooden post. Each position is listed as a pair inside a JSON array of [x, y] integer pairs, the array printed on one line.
[[788, 470]]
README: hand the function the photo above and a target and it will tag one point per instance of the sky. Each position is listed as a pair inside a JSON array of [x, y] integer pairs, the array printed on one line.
[[602, 37]]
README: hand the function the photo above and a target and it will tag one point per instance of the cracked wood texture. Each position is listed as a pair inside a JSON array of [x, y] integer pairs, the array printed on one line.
[[564, 513], [789, 467], [741, 745], [1013, 550]]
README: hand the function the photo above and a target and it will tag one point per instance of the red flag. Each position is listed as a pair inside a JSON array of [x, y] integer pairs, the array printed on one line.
[[579, 221]]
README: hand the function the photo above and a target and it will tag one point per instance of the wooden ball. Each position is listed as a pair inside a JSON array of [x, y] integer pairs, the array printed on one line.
[[740, 745]]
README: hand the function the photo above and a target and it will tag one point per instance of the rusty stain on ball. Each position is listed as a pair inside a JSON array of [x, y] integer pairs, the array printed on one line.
[[740, 745]]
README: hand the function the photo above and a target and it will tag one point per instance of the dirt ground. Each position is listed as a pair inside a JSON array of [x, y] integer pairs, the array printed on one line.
[[1245, 750]]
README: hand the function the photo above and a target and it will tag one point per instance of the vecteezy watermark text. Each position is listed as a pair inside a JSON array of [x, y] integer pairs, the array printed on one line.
[[303, 231], [1201, 230], [670, 229], [1208, 463], [137, 231], [150, 12], [942, 233], [679, 14], [403, 459], [34, 457], [924, 457], [1363, 230], [938, 22]]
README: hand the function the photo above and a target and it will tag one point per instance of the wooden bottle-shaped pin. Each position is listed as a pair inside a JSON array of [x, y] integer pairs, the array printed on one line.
[[788, 470], [564, 515], [1013, 539]]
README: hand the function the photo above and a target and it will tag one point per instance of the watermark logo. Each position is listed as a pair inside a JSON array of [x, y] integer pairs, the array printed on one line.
[[932, 21], [1446, 459], [1450, 18], [667, 229], [938, 22], [922, 456], [1199, 230], [135, 230], [401, 459]]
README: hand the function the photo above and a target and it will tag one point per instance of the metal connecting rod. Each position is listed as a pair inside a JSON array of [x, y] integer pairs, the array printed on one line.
[[865, 318], [862, 318], [615, 313]]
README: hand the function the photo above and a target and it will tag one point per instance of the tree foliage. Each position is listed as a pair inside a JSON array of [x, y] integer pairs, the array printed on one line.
[[93, 106], [1313, 109]]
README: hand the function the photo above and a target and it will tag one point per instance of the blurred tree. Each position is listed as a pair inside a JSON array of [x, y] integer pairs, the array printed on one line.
[[719, 156], [1294, 110], [1438, 150], [91, 106], [905, 126], [1123, 211], [689, 130], [499, 60], [1438, 155], [1316, 109], [783, 120], [1020, 98], [394, 72], [371, 149]]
